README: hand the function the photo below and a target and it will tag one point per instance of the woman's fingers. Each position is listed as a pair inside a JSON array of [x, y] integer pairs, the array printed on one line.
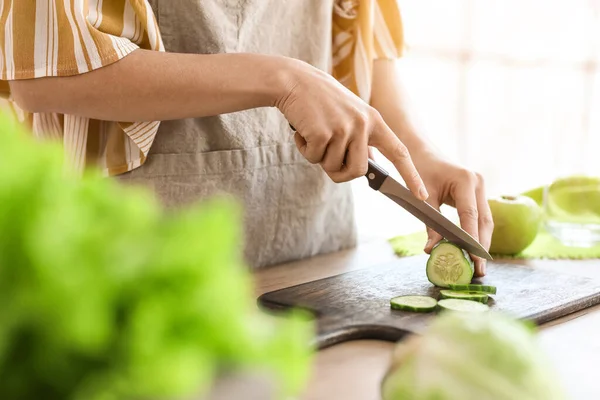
[[313, 147], [334, 126], [300, 142], [467, 206], [432, 236], [485, 221], [337, 118], [335, 155], [394, 150], [356, 162]]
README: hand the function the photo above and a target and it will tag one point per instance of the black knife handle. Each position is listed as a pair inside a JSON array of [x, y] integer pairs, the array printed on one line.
[[376, 175]]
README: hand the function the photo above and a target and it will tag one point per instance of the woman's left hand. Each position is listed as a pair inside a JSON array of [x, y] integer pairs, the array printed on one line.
[[448, 183]]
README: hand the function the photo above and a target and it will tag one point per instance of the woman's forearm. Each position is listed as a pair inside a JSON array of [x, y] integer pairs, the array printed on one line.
[[334, 126], [154, 86], [389, 98]]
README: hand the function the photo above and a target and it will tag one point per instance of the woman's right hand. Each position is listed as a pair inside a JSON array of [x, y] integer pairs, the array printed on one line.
[[334, 127]]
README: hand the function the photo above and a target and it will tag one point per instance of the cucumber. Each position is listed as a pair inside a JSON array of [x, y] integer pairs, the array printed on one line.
[[462, 305], [475, 288], [422, 304], [473, 296], [448, 264]]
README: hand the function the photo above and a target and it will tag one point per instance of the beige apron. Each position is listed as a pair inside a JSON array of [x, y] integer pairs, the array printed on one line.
[[292, 209]]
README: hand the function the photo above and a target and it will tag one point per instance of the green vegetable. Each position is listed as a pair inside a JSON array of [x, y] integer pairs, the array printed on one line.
[[449, 264], [517, 221], [104, 296], [475, 288], [462, 305], [474, 296], [423, 304], [471, 357]]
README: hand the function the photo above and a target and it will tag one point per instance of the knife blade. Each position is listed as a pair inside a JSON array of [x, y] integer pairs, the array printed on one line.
[[380, 180]]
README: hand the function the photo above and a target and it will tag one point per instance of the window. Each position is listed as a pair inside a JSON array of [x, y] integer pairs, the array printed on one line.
[[509, 88]]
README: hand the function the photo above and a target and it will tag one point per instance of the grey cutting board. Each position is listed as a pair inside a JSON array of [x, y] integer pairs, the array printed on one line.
[[355, 305]]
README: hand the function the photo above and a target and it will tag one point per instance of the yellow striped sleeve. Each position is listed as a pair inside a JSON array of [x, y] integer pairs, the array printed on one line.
[[363, 31], [42, 38], [57, 38], [388, 30]]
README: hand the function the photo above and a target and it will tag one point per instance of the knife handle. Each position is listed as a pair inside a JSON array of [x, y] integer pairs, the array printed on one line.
[[376, 175]]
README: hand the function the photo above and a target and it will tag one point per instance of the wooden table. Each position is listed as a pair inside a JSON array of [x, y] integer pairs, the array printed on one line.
[[353, 370]]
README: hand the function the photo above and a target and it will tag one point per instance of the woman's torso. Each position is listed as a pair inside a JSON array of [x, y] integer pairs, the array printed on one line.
[[292, 209]]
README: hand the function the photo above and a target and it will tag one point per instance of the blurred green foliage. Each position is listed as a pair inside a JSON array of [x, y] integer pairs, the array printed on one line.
[[103, 296]]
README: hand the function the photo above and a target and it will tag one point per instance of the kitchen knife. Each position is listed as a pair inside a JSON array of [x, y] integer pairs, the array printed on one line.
[[380, 180]]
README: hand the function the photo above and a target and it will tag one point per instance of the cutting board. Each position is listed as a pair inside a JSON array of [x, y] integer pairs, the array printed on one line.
[[356, 305]]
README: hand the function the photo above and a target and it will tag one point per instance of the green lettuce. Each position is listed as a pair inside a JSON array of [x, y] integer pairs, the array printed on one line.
[[472, 356], [106, 297]]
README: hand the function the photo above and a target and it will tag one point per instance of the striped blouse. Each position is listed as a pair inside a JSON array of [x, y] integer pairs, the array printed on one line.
[[44, 38]]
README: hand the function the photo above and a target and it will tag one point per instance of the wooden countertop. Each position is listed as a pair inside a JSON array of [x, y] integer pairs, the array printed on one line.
[[353, 370]]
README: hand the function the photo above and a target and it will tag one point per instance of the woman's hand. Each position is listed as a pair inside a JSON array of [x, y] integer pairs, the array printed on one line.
[[458, 187], [446, 182], [334, 127]]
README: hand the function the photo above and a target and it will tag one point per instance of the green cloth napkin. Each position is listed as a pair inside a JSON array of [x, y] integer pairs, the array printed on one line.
[[544, 246]]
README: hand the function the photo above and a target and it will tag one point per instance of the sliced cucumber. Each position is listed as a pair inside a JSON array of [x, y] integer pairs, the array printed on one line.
[[474, 296], [449, 264], [462, 305], [475, 288], [422, 304]]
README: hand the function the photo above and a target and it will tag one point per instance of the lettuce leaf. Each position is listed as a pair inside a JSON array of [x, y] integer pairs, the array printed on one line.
[[106, 296]]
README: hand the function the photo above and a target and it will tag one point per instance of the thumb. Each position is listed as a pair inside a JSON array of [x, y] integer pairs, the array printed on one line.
[[433, 237]]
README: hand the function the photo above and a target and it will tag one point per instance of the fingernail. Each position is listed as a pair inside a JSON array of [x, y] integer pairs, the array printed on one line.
[[423, 193]]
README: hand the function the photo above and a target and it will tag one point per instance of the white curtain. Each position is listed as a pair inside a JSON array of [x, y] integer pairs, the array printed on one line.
[[509, 88]]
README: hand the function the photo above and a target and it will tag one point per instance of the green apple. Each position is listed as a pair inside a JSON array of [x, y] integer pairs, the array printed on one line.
[[516, 223], [575, 199]]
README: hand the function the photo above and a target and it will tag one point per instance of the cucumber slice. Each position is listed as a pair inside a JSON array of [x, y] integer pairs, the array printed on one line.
[[462, 305], [449, 264], [473, 296], [471, 287], [422, 304]]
